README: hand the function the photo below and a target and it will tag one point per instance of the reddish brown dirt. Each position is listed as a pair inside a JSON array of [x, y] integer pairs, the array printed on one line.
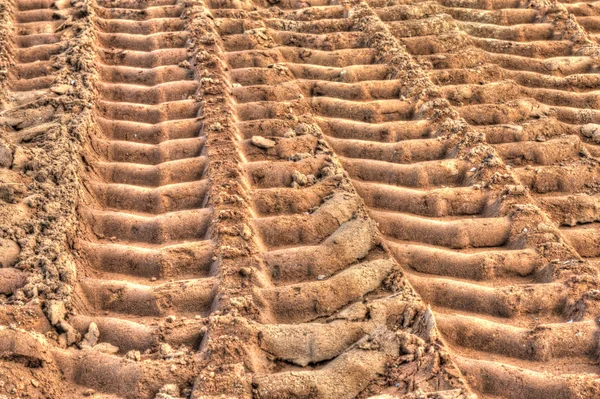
[[299, 199]]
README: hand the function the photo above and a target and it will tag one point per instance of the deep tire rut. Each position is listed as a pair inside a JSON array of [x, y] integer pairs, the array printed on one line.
[[462, 242], [151, 255], [37, 39], [510, 73], [147, 249]]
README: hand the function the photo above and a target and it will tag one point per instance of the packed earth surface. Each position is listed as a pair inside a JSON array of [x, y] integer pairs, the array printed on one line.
[[273, 199]]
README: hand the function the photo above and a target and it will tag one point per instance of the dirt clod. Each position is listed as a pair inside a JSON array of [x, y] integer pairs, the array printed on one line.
[[91, 337], [56, 312], [9, 253]]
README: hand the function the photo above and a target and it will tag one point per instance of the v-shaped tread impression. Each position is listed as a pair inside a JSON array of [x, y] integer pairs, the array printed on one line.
[[148, 246], [502, 297]]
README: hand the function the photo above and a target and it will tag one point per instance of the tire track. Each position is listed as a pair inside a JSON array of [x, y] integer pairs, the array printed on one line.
[[495, 75], [148, 283], [34, 38], [38, 38], [28, 45], [41, 116], [323, 285]]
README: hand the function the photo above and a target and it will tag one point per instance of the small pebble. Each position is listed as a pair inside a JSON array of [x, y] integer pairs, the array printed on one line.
[[105, 347], [262, 142], [136, 356], [165, 349], [92, 335]]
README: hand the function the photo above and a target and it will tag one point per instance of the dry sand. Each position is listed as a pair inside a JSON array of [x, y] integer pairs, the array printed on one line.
[[299, 199]]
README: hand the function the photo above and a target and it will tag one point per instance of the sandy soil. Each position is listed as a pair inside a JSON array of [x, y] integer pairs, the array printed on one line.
[[299, 199]]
